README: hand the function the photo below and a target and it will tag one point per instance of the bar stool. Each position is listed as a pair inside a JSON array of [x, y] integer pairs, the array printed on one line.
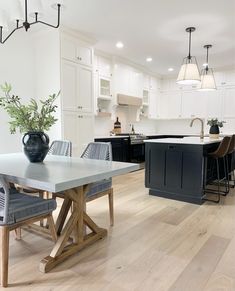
[[220, 153], [230, 161]]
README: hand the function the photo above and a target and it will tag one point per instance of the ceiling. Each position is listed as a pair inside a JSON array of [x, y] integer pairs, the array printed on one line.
[[156, 28]]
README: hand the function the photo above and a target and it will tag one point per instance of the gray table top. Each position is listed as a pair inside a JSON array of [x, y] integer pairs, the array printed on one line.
[[58, 173]]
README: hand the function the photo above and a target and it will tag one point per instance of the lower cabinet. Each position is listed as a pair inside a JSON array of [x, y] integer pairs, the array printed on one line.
[[79, 129], [120, 148], [175, 171]]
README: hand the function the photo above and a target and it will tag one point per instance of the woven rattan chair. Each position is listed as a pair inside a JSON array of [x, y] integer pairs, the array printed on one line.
[[61, 148], [100, 151], [18, 209]]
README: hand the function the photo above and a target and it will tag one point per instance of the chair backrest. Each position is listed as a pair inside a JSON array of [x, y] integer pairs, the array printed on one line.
[[61, 148], [222, 150], [232, 145], [4, 200], [98, 151]]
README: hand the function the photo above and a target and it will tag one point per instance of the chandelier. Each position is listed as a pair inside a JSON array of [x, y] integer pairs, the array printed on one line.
[[26, 24]]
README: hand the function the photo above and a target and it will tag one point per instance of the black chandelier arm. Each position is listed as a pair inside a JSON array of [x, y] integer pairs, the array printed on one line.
[[48, 24], [27, 25], [2, 41]]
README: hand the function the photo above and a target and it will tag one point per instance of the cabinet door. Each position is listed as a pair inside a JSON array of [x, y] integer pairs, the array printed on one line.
[[85, 89], [104, 67], [69, 49], [79, 129], [135, 83], [162, 109], [85, 55], [229, 102], [121, 79], [214, 103], [174, 104], [85, 130], [69, 81], [146, 82], [193, 104], [70, 130], [153, 103], [154, 83]]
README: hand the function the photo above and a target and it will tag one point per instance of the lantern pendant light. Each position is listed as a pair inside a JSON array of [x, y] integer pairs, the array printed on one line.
[[189, 72], [207, 75]]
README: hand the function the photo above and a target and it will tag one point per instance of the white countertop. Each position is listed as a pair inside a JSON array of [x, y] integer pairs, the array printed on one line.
[[111, 136], [185, 140]]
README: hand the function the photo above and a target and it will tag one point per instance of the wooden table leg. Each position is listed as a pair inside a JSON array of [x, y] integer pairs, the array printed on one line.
[[63, 249]]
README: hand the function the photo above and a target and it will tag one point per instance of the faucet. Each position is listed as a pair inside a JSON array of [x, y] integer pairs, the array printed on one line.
[[202, 126]]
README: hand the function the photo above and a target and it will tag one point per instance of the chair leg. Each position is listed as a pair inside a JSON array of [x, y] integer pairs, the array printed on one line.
[[4, 255], [111, 215], [51, 225], [18, 233]]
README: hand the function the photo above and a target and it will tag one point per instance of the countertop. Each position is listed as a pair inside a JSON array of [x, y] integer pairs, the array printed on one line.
[[111, 136], [161, 134], [185, 140]]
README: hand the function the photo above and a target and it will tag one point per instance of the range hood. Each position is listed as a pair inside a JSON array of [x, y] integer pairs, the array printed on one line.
[[129, 100]]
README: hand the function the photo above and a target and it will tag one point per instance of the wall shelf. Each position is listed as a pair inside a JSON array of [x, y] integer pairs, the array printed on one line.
[[104, 114]]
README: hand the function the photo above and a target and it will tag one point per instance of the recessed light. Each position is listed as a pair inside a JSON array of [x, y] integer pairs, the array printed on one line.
[[149, 59], [119, 44], [205, 65], [170, 69]]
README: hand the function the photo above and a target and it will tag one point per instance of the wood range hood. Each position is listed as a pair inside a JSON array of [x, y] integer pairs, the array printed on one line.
[[127, 100]]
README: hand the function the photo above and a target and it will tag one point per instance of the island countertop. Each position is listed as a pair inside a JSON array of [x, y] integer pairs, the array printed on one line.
[[185, 140]]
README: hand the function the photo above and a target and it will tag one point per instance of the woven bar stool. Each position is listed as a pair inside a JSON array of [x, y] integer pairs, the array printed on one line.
[[222, 179], [230, 161]]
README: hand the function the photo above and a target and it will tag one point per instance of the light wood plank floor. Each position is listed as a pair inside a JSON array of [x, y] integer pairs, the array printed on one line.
[[155, 245]]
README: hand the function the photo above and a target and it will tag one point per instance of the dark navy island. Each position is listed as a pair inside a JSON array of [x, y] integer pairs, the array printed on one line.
[[175, 167]]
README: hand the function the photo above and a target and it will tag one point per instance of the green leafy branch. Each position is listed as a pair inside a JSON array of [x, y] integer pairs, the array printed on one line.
[[31, 117]]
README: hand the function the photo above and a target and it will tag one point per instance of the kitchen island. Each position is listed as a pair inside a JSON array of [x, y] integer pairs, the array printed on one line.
[[175, 167]]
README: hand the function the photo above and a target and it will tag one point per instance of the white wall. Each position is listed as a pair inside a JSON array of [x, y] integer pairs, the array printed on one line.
[[17, 68], [46, 44]]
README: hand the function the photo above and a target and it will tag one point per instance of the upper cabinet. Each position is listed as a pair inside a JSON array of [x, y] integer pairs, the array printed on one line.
[[128, 80], [76, 51], [76, 87], [103, 66], [225, 78]]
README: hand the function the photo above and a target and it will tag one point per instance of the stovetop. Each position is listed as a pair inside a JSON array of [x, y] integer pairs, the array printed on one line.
[[135, 138]]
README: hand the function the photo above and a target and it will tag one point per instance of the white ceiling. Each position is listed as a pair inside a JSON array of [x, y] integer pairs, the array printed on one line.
[[156, 28]]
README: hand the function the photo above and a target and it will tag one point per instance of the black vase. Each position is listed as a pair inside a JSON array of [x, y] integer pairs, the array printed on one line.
[[214, 131], [36, 146]]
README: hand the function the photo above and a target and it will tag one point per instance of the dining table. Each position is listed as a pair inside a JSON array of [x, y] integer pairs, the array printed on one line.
[[70, 176]]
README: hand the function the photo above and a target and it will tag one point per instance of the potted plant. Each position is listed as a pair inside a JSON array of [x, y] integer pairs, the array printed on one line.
[[32, 120], [215, 124]]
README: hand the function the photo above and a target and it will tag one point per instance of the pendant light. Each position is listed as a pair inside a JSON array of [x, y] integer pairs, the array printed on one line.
[[189, 72], [207, 75]]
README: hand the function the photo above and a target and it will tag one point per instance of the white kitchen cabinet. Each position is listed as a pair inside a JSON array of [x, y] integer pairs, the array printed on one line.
[[193, 104], [76, 51], [214, 103], [154, 83], [146, 80], [104, 88], [121, 79], [135, 83], [79, 129], [128, 80], [76, 87], [153, 104], [169, 105], [103, 66], [174, 104], [229, 102]]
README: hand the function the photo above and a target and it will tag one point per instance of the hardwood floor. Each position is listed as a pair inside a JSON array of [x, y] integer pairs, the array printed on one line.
[[155, 245]]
